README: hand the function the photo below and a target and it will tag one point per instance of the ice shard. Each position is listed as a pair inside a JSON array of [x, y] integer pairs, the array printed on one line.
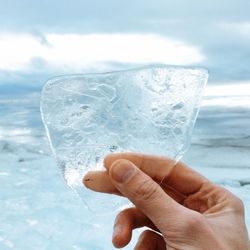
[[151, 110]]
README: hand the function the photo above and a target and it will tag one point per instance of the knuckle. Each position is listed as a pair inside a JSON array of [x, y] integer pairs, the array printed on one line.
[[145, 235], [238, 205], [119, 162], [234, 202], [124, 213], [125, 216], [144, 240], [147, 190], [194, 221]]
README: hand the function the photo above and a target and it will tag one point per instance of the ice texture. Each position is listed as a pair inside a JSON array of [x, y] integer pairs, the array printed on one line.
[[151, 110]]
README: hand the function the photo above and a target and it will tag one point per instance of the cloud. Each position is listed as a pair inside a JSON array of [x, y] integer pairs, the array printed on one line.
[[73, 51], [218, 30]]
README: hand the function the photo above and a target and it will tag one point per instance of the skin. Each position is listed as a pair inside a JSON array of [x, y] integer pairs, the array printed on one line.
[[180, 208]]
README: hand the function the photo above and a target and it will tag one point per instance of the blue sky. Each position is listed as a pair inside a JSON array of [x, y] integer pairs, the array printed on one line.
[[39, 39]]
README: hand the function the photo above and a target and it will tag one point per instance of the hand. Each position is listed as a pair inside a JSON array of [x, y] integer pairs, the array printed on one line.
[[183, 209]]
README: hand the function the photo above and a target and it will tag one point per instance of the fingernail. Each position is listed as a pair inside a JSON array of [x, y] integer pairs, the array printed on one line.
[[117, 230], [122, 170]]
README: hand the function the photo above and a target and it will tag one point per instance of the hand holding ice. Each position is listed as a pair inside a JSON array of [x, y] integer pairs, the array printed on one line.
[[151, 110]]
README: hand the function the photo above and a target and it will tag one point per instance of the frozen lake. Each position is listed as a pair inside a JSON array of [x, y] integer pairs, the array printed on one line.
[[37, 209]]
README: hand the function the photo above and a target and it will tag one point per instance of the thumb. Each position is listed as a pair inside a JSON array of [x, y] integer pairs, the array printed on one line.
[[145, 194]]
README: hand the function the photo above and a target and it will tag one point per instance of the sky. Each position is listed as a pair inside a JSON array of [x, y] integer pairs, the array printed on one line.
[[40, 39]]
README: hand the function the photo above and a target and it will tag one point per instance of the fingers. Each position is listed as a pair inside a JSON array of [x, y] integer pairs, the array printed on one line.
[[99, 181], [150, 240], [125, 222], [175, 175], [132, 218], [122, 231], [145, 194], [176, 179]]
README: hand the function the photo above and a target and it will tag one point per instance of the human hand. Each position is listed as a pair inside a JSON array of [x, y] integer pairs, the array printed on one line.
[[183, 209]]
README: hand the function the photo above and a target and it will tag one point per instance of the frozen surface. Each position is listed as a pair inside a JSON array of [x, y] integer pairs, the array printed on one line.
[[38, 211], [150, 110]]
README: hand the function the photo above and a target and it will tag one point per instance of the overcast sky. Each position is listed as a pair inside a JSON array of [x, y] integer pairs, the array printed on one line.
[[43, 38]]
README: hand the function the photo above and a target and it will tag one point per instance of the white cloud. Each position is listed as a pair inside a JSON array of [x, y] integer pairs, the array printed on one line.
[[236, 94], [18, 51]]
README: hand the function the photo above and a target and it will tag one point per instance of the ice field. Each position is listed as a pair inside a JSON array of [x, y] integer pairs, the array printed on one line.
[[37, 209]]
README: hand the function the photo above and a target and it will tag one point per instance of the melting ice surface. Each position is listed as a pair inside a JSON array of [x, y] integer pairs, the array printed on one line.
[[151, 110]]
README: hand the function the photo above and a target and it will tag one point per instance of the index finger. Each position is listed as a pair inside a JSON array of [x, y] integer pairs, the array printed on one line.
[[164, 170]]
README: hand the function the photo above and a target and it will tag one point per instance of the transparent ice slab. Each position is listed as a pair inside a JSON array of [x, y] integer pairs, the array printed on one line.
[[151, 110]]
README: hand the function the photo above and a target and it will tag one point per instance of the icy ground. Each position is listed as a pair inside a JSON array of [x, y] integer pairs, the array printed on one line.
[[37, 209]]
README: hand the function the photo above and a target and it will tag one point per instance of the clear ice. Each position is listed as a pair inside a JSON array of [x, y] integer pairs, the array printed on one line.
[[151, 110]]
